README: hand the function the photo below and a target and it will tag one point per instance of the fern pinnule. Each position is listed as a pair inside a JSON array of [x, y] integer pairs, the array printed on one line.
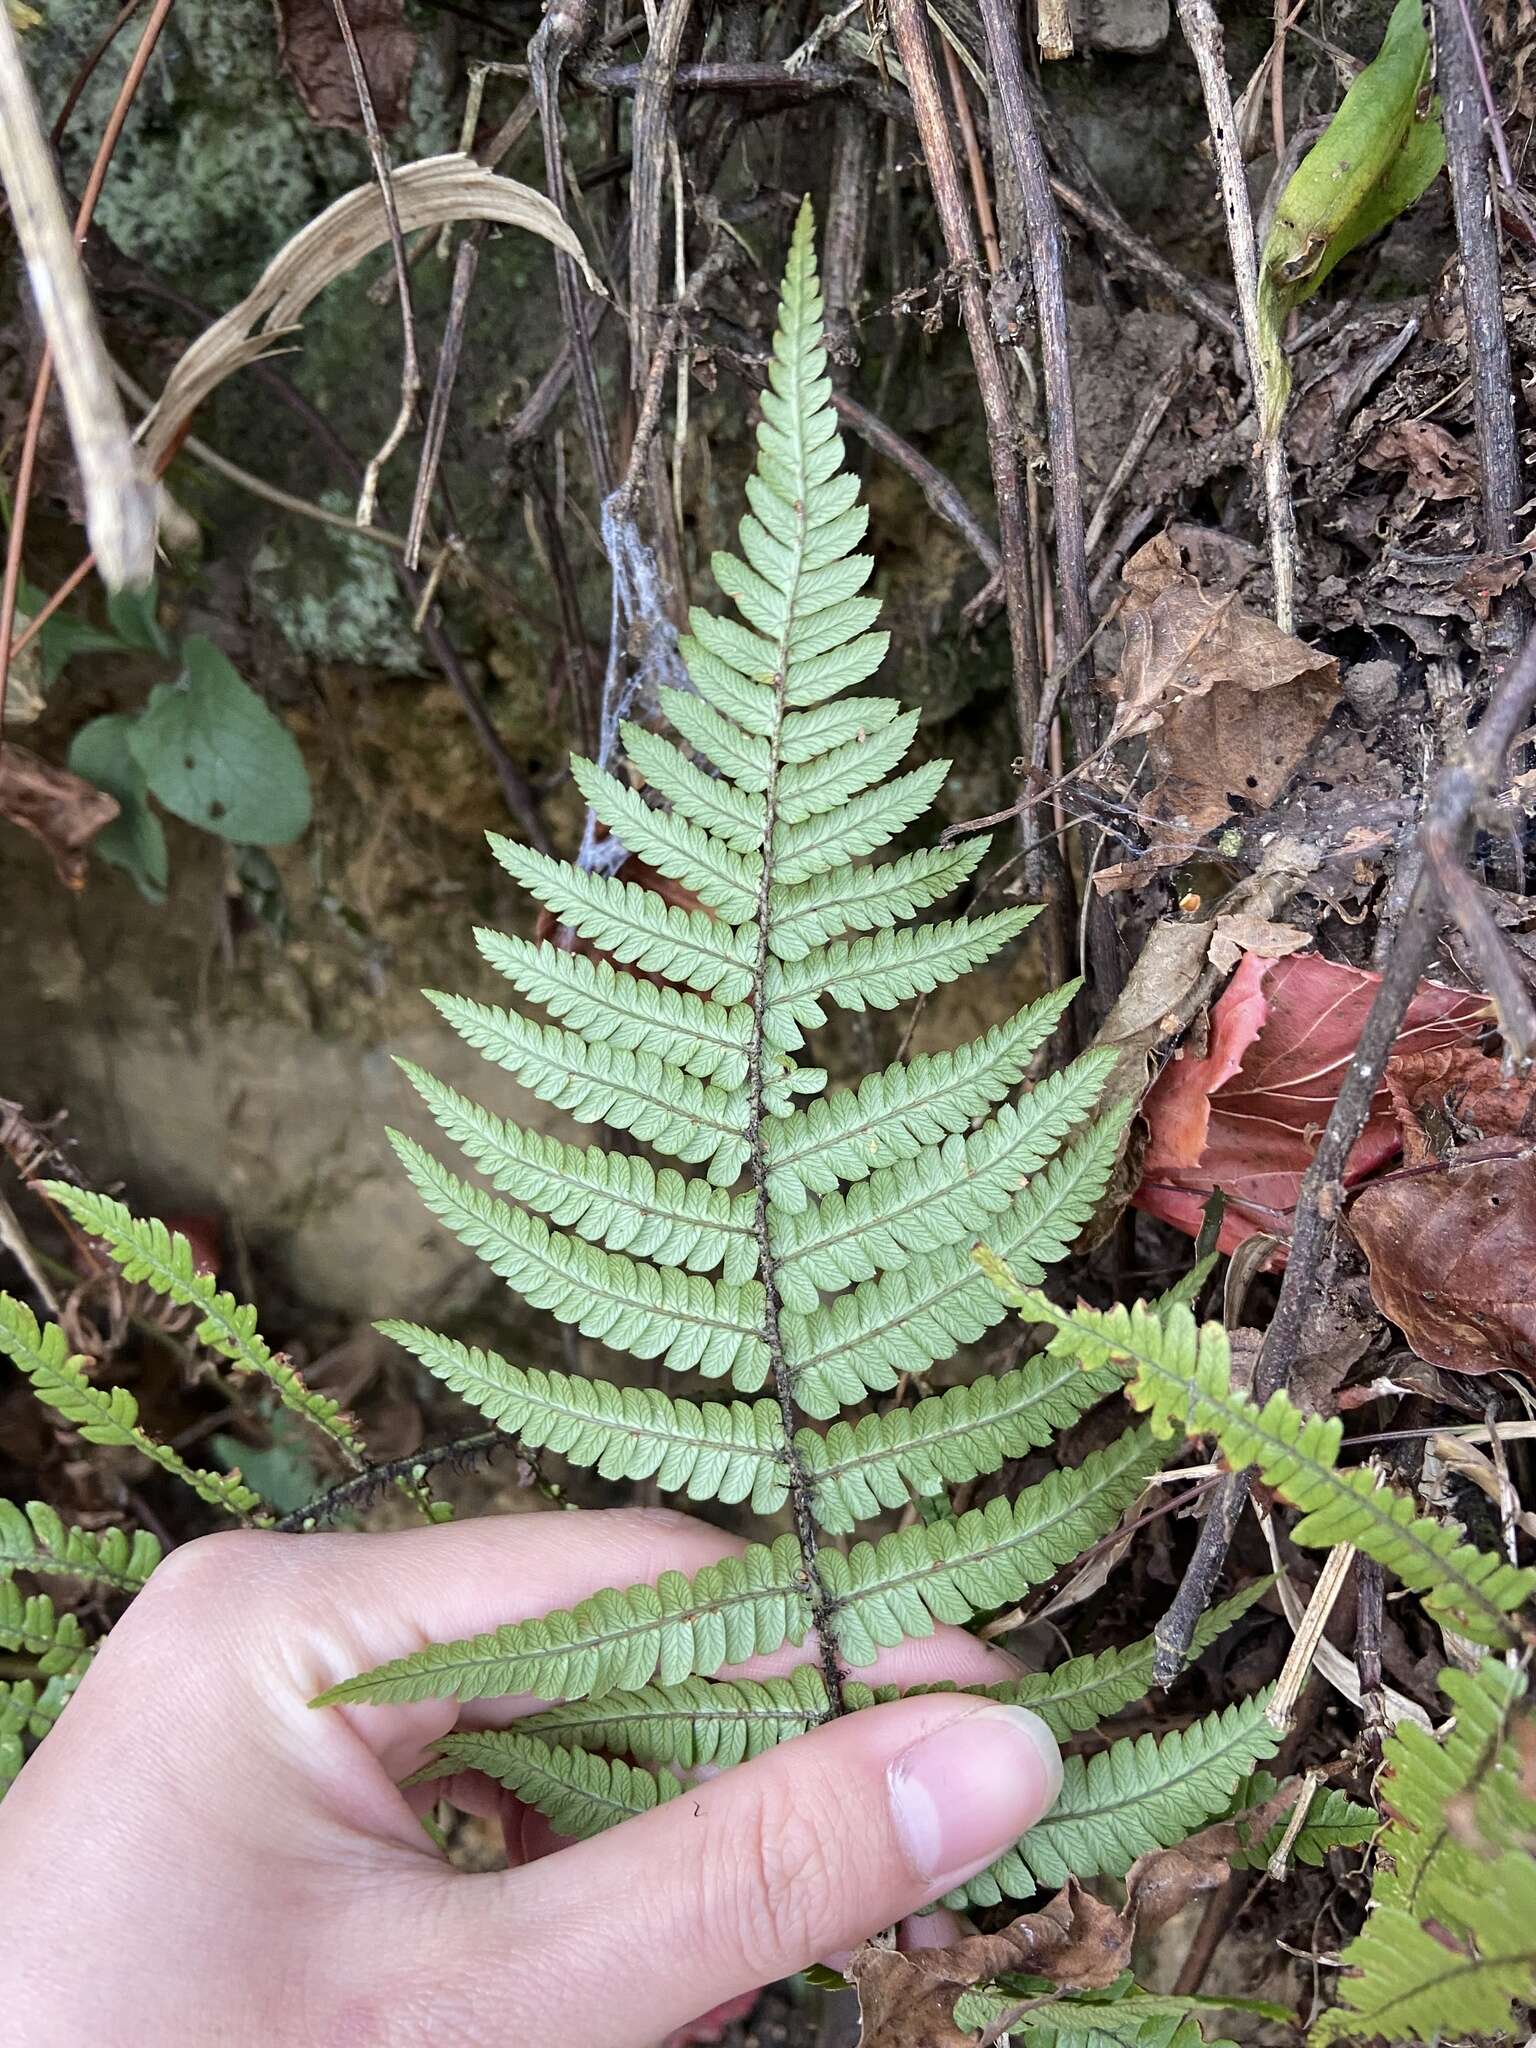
[[37, 1539]]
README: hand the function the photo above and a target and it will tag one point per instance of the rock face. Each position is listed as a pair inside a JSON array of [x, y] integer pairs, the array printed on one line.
[[1132, 28]]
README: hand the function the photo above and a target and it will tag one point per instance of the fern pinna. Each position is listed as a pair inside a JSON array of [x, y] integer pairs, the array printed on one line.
[[821, 1249]]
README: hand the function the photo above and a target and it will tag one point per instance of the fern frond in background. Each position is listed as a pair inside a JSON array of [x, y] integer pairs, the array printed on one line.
[[1449, 1945], [799, 1249]]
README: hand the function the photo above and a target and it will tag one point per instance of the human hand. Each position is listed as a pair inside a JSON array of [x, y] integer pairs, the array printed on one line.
[[194, 1856]]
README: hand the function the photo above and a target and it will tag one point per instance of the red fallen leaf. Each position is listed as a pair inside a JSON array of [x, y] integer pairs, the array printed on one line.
[[1245, 1117], [1451, 1239]]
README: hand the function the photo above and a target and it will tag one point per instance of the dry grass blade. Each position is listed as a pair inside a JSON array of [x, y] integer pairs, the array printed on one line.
[[120, 499], [427, 194]]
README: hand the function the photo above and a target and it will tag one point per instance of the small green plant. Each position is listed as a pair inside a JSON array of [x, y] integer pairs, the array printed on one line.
[[204, 747]]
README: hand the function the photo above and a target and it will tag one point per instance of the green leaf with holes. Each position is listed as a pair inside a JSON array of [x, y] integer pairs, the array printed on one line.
[[213, 754]]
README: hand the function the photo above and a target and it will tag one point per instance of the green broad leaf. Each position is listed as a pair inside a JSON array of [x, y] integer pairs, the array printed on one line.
[[212, 753], [61, 637], [135, 616], [1378, 154], [102, 752]]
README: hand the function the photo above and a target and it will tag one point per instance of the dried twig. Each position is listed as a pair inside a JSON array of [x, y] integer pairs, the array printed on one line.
[[1144, 434], [410, 366], [1113, 229], [910, 26], [465, 263], [1202, 31], [120, 501], [1467, 158]]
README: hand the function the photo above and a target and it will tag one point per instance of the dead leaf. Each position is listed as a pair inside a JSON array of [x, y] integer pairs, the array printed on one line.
[[1076, 1942], [1451, 1237], [431, 193], [1245, 1117], [1438, 465], [1236, 935], [1230, 702], [311, 51], [62, 810]]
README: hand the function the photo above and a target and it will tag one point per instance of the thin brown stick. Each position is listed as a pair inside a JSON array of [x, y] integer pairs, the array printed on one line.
[[1202, 31], [1467, 159], [21, 496], [909, 23], [465, 263], [410, 363], [88, 69], [1370, 1583], [562, 32], [986, 219], [1143, 435]]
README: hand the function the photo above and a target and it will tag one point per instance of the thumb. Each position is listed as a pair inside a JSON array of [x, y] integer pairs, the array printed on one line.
[[801, 1853]]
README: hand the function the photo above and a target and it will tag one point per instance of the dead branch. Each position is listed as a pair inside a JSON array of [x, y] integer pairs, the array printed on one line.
[[121, 503], [1467, 159], [910, 26], [1202, 31], [410, 364]]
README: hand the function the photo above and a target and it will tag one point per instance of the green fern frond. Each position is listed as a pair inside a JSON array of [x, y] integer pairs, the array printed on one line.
[[1333, 1821], [820, 1249], [105, 1415], [26, 1711], [722, 1721], [1134, 1796], [30, 1626], [36, 1539], [1140, 1794], [1181, 1373], [1449, 1944], [701, 1721], [150, 1254]]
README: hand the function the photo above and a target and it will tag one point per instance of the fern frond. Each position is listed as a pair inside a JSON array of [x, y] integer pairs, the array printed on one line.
[[31, 1626], [1132, 1797], [879, 971], [150, 1255], [892, 1115], [609, 1007], [1333, 1821], [24, 1711], [817, 846], [701, 1721], [1139, 1794], [1449, 1944], [882, 1461], [867, 899], [683, 1117], [105, 1415], [1181, 1372], [941, 1196], [731, 808], [693, 1324], [823, 781], [1077, 1695], [742, 1607], [36, 1539], [635, 925], [724, 880], [708, 1451], [615, 1199], [864, 1340], [579, 1795]]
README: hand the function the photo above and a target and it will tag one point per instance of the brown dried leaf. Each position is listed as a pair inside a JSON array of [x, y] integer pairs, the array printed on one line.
[[1438, 465], [1231, 702], [1451, 1237], [1239, 934], [311, 51], [1076, 1942], [62, 810]]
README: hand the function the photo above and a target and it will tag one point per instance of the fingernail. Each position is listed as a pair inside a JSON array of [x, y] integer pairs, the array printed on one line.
[[967, 1790]]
